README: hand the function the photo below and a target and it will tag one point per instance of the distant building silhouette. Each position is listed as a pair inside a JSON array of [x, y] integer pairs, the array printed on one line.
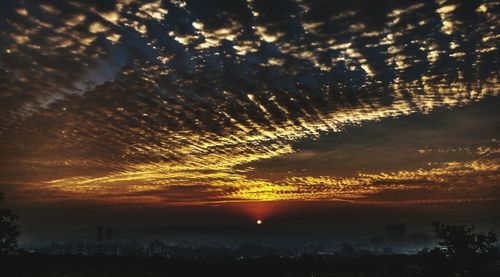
[[109, 233], [70, 248], [100, 233], [157, 248]]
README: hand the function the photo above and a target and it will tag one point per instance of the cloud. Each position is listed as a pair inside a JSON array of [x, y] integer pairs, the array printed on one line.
[[180, 93]]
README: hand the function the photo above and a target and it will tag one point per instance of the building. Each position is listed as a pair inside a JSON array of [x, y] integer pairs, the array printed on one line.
[[109, 234], [157, 248], [100, 233]]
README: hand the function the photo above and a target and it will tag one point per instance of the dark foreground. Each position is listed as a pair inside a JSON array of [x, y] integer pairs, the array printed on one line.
[[80, 266]]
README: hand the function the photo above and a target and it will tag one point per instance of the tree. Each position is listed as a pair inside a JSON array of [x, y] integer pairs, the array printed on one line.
[[9, 231], [461, 252], [462, 243]]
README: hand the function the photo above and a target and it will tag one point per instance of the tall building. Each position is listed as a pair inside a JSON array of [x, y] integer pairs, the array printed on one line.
[[100, 233], [109, 233]]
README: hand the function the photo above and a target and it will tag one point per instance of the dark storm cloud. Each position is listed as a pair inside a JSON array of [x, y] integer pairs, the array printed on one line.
[[164, 100]]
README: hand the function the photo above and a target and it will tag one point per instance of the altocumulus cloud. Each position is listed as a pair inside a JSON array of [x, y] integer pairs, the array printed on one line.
[[163, 100]]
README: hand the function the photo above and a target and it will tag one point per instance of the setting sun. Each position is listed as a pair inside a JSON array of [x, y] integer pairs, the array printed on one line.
[[259, 222]]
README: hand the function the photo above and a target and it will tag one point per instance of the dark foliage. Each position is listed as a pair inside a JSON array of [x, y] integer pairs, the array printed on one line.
[[461, 242], [461, 252], [9, 231]]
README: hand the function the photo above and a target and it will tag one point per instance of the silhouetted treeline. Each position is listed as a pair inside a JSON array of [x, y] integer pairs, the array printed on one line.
[[461, 252], [9, 231]]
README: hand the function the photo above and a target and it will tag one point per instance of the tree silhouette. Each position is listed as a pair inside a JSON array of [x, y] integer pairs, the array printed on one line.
[[462, 243], [9, 231], [461, 251]]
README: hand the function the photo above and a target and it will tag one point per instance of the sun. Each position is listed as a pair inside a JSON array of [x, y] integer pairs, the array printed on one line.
[[259, 222]]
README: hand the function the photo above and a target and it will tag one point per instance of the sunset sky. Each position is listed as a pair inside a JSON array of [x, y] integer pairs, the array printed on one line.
[[249, 105]]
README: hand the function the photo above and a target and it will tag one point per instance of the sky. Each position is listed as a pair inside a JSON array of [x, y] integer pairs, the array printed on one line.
[[218, 112]]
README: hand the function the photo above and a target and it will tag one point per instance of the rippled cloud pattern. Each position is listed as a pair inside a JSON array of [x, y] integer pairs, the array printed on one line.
[[176, 102]]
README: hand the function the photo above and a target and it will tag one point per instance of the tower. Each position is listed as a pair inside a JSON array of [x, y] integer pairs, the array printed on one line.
[[109, 233], [100, 233]]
